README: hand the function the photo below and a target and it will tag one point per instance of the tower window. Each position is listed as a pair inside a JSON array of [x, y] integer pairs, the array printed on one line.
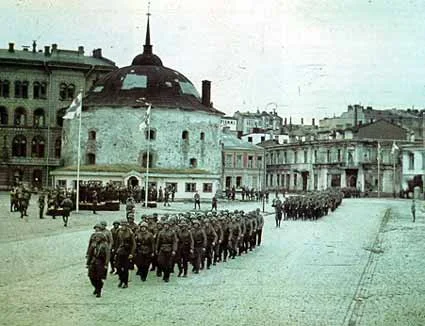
[[202, 136], [151, 135], [92, 135], [91, 159], [193, 163], [185, 135]]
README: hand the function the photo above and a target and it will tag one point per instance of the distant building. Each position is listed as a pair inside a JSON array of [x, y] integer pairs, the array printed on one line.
[[343, 159], [243, 163], [35, 87], [248, 121], [229, 123], [357, 115], [413, 162]]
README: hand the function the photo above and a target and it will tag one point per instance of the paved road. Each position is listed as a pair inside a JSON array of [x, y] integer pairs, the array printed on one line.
[[361, 265]]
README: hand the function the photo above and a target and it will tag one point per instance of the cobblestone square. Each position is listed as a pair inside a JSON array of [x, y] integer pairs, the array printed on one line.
[[360, 265]]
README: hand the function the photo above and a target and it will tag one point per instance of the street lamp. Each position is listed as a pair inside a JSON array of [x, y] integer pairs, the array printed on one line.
[[147, 123]]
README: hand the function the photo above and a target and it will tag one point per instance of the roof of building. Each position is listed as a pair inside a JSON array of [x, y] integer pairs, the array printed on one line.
[[55, 56], [230, 141], [149, 80]]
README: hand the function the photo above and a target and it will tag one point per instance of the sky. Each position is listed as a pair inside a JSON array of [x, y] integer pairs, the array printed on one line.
[[306, 59]]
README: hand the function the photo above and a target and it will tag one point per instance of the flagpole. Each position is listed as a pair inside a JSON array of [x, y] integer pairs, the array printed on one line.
[[393, 173], [77, 204], [147, 157], [379, 160]]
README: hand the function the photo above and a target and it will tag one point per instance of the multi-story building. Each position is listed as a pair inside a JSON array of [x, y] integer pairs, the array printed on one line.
[[229, 123], [358, 115], [35, 89], [345, 159], [248, 121], [243, 163], [413, 159]]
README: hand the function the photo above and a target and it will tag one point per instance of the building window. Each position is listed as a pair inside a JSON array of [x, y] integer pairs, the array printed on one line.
[[423, 160], [295, 157], [259, 162], [36, 88], [249, 139], [250, 162], [91, 159], [335, 180], [4, 88], [411, 161], [229, 161], [20, 117], [185, 135], [305, 156], [190, 187], [151, 135], [207, 187], [263, 138], [285, 157], [228, 182], [239, 161], [19, 146], [37, 147], [37, 178], [193, 163], [202, 136], [59, 116], [238, 182], [328, 156], [58, 144], [70, 92], [145, 160], [61, 183], [4, 117], [92, 135], [21, 89], [39, 119], [62, 91], [339, 155], [295, 180]]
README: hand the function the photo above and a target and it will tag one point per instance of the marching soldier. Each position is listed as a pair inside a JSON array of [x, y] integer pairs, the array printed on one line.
[[97, 261], [114, 233], [145, 247], [185, 248], [211, 242], [66, 205], [166, 247], [125, 252], [200, 243]]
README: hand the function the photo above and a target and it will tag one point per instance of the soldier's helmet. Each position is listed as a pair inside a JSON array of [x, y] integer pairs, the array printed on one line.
[[183, 223], [98, 226], [124, 222], [194, 222], [116, 223], [103, 223], [144, 225], [100, 236]]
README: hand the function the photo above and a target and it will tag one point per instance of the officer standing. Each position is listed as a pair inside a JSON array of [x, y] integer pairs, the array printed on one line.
[[413, 209], [41, 204], [94, 201], [197, 199], [66, 205]]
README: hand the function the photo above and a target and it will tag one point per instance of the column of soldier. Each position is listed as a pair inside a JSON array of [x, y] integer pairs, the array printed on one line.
[[311, 206], [158, 244]]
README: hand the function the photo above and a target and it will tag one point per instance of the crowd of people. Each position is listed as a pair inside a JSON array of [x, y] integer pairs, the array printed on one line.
[[161, 243], [246, 194]]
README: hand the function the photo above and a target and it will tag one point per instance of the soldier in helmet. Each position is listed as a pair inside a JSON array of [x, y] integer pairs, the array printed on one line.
[[185, 248], [125, 252], [166, 247], [97, 261], [145, 247], [114, 232], [66, 205], [200, 243], [211, 242], [41, 205]]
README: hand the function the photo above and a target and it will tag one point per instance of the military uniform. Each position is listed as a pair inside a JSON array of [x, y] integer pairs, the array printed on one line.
[[125, 252], [166, 247]]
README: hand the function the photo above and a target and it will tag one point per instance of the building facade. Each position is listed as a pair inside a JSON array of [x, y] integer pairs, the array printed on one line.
[[413, 162], [248, 121], [35, 87], [243, 164], [346, 160], [147, 124]]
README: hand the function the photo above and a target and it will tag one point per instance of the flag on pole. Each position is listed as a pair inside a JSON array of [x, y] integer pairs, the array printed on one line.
[[146, 120], [74, 109], [378, 157], [394, 148]]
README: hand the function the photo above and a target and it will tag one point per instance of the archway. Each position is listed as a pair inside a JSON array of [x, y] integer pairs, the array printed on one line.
[[132, 181]]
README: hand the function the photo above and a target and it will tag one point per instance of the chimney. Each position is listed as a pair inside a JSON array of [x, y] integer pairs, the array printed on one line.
[[286, 121], [11, 47], [206, 93], [97, 53], [355, 116], [47, 50], [290, 121], [34, 47], [302, 121], [54, 47], [313, 122], [81, 50]]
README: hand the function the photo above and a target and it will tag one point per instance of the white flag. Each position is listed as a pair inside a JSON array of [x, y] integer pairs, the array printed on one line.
[[394, 148], [75, 107], [146, 120]]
